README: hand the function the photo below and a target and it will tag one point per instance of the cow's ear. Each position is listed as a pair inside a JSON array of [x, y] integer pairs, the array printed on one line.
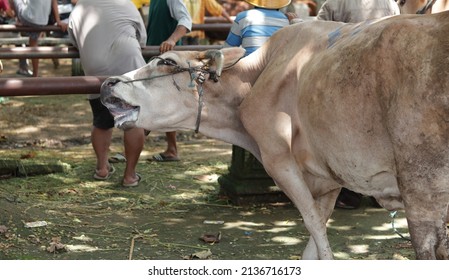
[[223, 58], [232, 55]]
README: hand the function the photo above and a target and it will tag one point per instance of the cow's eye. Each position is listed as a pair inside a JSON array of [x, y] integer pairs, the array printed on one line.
[[167, 61], [402, 2]]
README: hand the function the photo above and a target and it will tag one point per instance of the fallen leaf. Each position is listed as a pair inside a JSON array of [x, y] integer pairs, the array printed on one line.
[[3, 229], [202, 255], [211, 238], [28, 155], [56, 246]]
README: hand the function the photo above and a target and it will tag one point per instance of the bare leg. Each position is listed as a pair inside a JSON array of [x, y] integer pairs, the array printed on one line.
[[134, 140], [171, 144], [172, 150], [101, 141], [34, 61]]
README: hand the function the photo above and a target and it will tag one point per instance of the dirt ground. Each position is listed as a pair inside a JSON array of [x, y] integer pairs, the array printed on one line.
[[166, 216]]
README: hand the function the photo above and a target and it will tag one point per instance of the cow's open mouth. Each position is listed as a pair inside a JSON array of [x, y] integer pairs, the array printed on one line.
[[125, 115]]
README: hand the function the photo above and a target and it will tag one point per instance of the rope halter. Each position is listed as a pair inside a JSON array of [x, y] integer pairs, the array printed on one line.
[[197, 74]]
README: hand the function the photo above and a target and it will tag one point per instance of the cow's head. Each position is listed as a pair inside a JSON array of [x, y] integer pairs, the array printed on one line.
[[165, 94]]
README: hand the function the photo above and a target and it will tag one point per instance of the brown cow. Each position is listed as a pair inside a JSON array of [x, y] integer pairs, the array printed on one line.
[[322, 105]]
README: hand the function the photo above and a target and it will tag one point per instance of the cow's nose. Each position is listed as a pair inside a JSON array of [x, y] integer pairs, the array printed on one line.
[[107, 87], [112, 81]]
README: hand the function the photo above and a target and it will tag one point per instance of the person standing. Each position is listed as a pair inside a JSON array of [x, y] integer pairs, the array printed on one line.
[[36, 13], [168, 22], [355, 11], [109, 35], [252, 28], [8, 17]]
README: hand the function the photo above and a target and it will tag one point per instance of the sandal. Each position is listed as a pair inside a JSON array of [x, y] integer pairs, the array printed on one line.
[[133, 184], [103, 178], [117, 158], [163, 158]]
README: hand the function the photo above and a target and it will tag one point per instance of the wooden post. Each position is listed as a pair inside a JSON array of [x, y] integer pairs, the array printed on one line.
[[247, 181]]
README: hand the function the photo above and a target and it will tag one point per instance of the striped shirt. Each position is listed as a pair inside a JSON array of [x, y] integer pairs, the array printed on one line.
[[252, 28]]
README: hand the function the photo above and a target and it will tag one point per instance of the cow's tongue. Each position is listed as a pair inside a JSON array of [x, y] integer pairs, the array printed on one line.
[[125, 114], [128, 119]]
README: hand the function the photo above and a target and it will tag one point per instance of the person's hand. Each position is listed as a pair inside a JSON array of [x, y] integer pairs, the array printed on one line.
[[291, 16], [18, 22], [167, 46], [62, 25]]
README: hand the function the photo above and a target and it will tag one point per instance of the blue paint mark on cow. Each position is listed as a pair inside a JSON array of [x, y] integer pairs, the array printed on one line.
[[337, 34], [333, 37]]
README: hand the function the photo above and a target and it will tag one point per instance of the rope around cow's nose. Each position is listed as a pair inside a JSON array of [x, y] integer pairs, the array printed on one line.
[[178, 69]]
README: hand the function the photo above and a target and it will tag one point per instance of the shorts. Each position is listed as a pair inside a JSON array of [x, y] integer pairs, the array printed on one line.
[[102, 118]]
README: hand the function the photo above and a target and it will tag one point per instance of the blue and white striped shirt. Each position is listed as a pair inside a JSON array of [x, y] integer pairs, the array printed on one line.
[[251, 28]]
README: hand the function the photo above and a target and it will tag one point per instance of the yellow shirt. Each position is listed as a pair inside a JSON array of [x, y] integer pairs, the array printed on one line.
[[197, 10], [140, 3]]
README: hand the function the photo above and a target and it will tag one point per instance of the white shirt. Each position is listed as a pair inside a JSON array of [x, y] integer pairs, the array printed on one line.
[[33, 11], [357, 10], [109, 35]]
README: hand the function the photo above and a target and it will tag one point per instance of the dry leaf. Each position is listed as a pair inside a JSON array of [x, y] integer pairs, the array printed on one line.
[[29, 155], [202, 255], [3, 229], [56, 246], [211, 238]]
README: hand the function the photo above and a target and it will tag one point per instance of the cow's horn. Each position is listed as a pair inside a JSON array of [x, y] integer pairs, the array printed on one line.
[[217, 56]]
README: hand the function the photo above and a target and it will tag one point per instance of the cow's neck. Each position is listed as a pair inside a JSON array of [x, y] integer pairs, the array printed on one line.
[[220, 117]]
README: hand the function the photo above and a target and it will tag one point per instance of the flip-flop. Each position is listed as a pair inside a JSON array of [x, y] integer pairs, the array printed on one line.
[[163, 158], [133, 184], [101, 178], [117, 158]]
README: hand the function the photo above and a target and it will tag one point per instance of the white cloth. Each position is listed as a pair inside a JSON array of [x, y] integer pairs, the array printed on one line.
[[357, 10], [109, 35], [179, 12], [33, 11]]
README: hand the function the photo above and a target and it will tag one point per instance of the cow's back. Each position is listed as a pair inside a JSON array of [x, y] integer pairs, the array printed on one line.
[[377, 102]]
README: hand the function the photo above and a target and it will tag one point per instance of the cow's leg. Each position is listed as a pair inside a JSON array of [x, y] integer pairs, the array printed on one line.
[[283, 169], [425, 194], [426, 217], [419, 131], [273, 132], [325, 204]]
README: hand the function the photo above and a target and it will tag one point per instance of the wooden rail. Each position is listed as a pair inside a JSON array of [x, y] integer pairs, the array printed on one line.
[[72, 52], [46, 41], [50, 86], [48, 28]]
